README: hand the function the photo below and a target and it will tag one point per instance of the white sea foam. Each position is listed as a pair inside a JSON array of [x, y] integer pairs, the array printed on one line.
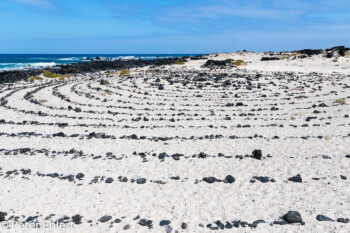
[[41, 64], [70, 59], [22, 66]]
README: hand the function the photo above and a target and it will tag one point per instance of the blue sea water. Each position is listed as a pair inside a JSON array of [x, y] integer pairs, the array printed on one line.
[[35, 61]]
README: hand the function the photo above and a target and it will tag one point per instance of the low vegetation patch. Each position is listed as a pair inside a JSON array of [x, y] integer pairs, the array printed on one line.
[[108, 92], [111, 73], [67, 76], [239, 62], [340, 101], [125, 72], [49, 74], [104, 82], [35, 78], [179, 62], [347, 54], [335, 60]]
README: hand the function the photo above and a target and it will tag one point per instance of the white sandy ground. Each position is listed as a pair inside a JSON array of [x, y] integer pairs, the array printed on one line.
[[183, 200]]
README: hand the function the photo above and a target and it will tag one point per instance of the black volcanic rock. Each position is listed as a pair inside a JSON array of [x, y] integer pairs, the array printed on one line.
[[270, 58], [343, 220], [80, 176], [322, 218], [293, 217], [296, 179], [2, 216], [94, 65], [105, 218], [310, 52], [24, 150], [229, 179], [145, 222], [218, 64], [257, 154], [210, 180], [109, 180], [61, 134], [77, 219], [164, 222]]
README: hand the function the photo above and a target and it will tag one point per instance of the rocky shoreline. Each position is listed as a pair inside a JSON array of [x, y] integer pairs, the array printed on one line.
[[96, 64], [93, 66]]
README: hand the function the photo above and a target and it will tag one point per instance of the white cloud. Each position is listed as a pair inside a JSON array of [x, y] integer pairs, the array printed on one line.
[[226, 9]]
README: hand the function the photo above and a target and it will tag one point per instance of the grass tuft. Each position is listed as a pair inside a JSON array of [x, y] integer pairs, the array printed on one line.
[[340, 101], [125, 72], [178, 62], [32, 79], [49, 74], [111, 73], [239, 62]]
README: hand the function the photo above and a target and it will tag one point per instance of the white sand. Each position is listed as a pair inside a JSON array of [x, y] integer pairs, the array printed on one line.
[[184, 200]]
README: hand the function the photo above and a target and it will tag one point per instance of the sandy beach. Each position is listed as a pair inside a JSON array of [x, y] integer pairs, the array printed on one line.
[[213, 144]]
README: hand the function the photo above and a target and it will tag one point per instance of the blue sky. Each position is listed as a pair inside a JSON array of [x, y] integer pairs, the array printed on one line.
[[167, 26]]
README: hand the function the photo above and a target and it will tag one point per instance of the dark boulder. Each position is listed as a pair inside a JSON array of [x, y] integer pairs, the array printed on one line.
[[270, 58], [77, 219], [293, 217], [229, 179], [257, 154], [2, 216]]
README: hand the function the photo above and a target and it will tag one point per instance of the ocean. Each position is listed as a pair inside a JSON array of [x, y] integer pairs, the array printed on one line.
[[36, 61]]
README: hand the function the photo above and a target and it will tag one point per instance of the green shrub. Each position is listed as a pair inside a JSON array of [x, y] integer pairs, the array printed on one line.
[[179, 62], [35, 78], [125, 72], [239, 62], [49, 74], [67, 76]]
